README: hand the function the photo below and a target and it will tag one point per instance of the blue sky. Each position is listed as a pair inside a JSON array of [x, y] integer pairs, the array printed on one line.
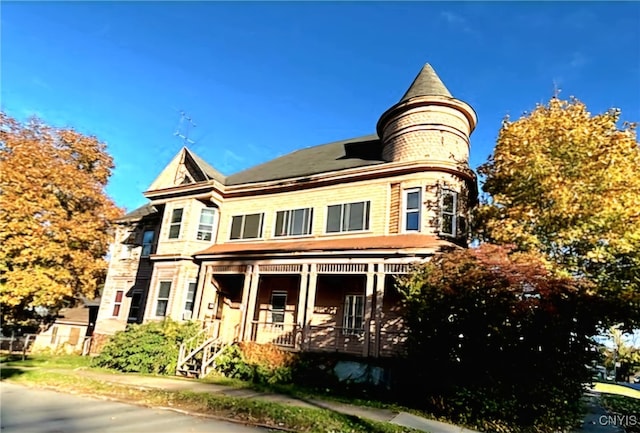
[[261, 79]]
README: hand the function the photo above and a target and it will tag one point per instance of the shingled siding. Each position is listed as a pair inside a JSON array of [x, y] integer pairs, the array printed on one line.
[[431, 132]]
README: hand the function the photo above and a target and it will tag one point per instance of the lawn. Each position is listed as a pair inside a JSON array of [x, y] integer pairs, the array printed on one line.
[[57, 373]]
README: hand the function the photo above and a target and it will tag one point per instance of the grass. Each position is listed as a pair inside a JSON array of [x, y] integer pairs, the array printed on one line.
[[57, 373], [627, 408], [46, 361], [611, 388]]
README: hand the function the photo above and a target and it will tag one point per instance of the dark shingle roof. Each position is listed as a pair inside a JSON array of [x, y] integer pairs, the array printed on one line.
[[427, 83], [138, 214], [340, 155]]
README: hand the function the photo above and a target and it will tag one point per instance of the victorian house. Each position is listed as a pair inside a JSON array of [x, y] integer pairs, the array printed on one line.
[[301, 251]]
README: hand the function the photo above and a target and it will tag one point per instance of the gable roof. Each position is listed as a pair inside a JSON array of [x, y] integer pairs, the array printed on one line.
[[186, 167], [426, 83], [339, 155]]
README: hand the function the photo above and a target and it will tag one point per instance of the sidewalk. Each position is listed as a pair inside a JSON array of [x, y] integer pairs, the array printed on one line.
[[403, 419], [596, 421]]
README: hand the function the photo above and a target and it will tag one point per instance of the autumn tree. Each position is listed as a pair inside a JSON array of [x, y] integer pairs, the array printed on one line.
[[498, 341], [54, 216], [566, 183]]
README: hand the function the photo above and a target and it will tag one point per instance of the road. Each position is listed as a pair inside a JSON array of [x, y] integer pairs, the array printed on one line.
[[27, 410]]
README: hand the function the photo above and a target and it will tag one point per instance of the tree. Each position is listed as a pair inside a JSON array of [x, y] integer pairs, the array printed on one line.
[[54, 216], [494, 335], [622, 357], [566, 183]]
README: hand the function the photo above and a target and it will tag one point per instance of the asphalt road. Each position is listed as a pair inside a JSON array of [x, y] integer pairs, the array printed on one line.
[[27, 410]]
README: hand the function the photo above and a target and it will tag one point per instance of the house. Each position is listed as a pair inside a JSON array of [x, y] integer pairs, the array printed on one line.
[[301, 251], [71, 330]]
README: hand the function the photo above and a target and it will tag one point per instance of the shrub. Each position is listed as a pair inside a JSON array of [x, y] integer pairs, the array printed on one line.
[[148, 348], [495, 337], [258, 363]]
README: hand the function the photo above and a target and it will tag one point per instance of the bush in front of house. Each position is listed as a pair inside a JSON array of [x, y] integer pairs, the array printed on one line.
[[257, 363], [150, 348], [496, 339]]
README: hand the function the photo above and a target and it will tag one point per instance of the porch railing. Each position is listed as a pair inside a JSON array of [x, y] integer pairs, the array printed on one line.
[[327, 338], [280, 334]]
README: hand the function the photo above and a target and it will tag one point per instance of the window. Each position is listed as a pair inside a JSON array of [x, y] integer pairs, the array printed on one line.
[[188, 304], [348, 217], [278, 305], [174, 227], [117, 303], [448, 212], [412, 210], [353, 314], [205, 228], [294, 222], [163, 298], [147, 242], [246, 226], [134, 310]]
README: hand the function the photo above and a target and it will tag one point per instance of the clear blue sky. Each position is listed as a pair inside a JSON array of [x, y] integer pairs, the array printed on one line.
[[263, 79]]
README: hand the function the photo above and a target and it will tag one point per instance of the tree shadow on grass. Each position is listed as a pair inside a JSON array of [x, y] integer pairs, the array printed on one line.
[[8, 372]]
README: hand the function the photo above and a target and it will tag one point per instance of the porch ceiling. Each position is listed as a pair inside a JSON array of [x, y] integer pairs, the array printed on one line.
[[394, 242]]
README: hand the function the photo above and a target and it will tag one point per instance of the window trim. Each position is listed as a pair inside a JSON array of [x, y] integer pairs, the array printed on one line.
[[190, 284], [307, 231], [174, 223], [243, 216], [158, 298], [283, 311], [117, 304], [444, 192], [405, 211], [212, 225], [366, 218], [352, 330]]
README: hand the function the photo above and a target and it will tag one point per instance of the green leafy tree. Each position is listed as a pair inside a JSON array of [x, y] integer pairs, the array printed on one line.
[[566, 183], [54, 216], [496, 337]]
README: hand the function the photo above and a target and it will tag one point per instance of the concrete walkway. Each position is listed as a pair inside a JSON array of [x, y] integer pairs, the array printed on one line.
[[178, 384], [596, 420]]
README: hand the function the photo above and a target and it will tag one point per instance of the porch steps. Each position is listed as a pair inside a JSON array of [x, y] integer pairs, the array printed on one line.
[[198, 354]]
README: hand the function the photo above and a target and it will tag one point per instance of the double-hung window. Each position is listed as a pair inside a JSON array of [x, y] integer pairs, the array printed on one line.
[[348, 217], [246, 226], [205, 228], [352, 319], [448, 212], [412, 210], [176, 221], [278, 306], [117, 303], [147, 242], [163, 298], [294, 222], [189, 301]]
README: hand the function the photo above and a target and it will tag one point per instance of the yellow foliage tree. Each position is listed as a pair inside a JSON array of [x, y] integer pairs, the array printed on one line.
[[54, 216], [566, 183]]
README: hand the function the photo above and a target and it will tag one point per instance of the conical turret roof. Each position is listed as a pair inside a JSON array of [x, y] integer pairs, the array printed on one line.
[[427, 83]]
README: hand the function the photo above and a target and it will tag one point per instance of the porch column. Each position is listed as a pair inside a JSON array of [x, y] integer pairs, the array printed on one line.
[[203, 283], [368, 306], [251, 306], [245, 299], [380, 283], [302, 302], [311, 298]]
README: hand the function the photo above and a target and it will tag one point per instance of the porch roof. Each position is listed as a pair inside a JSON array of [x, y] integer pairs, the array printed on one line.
[[392, 242]]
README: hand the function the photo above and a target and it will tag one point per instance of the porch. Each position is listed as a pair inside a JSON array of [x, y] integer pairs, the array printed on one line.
[[345, 307]]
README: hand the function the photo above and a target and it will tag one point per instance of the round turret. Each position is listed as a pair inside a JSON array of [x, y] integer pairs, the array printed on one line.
[[427, 124]]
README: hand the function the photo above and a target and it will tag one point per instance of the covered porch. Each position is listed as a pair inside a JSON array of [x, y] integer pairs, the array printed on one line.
[[330, 305]]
